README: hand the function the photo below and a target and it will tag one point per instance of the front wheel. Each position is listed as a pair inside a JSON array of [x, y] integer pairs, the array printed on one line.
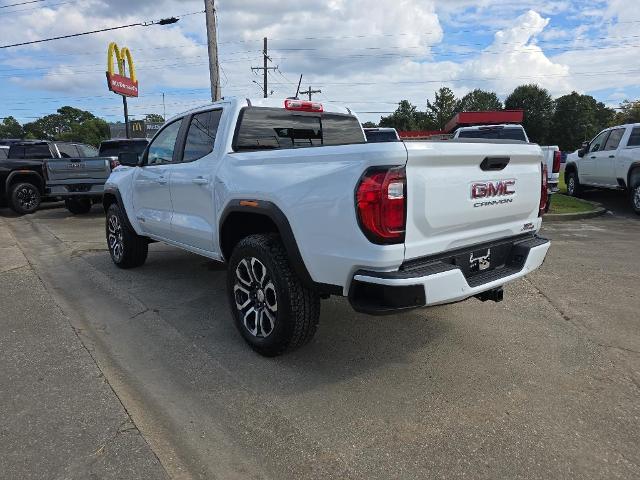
[[24, 198], [78, 206], [573, 185], [272, 310], [126, 247], [635, 198]]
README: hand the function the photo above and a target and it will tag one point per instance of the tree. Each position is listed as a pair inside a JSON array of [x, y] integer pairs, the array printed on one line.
[[406, 117], [92, 131], [577, 118], [479, 101], [538, 110], [10, 128], [443, 107], [154, 118], [629, 112], [369, 125]]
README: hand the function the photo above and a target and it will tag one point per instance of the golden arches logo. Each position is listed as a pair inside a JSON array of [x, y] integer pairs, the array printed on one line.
[[119, 82]]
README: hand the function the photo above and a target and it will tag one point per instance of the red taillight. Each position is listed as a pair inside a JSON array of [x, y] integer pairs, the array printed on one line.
[[544, 190], [114, 163], [381, 204], [557, 160], [303, 106]]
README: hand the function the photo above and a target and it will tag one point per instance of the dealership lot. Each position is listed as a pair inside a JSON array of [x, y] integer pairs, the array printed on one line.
[[543, 385]]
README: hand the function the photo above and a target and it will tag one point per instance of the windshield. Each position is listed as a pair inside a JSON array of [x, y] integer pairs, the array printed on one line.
[[498, 133]]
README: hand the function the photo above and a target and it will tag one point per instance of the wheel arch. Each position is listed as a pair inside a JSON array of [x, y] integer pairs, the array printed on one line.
[[241, 218], [570, 167], [25, 175], [109, 197], [633, 177]]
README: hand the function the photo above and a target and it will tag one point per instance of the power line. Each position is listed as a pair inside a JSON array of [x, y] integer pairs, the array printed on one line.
[[162, 21], [22, 3]]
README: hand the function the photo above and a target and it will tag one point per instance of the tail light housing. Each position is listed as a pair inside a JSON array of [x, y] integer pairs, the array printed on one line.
[[557, 160], [544, 190], [114, 163], [381, 204]]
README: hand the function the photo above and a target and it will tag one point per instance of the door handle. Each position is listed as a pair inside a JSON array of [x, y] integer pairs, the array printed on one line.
[[161, 180], [200, 181], [593, 156], [612, 156]]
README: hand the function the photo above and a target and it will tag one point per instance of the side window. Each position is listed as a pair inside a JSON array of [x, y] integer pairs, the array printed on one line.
[[87, 150], [341, 130], [201, 135], [598, 142], [37, 151], [614, 139], [162, 147], [67, 150], [634, 139]]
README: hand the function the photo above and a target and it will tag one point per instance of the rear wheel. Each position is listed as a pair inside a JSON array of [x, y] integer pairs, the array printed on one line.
[[24, 198], [78, 206], [126, 247], [272, 310], [573, 185]]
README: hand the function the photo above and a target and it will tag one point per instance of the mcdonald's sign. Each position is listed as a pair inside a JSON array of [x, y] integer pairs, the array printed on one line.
[[118, 82]]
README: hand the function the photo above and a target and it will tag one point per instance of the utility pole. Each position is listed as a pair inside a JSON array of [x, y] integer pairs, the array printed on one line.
[[264, 67], [310, 92], [212, 40]]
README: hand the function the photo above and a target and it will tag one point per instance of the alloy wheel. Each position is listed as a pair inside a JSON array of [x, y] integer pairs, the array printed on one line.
[[571, 185], [27, 197], [255, 297], [114, 238], [636, 197]]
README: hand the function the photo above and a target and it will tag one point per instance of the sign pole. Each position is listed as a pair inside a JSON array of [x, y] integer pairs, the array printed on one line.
[[126, 116]]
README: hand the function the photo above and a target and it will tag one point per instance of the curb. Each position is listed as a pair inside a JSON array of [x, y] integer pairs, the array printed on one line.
[[561, 217]]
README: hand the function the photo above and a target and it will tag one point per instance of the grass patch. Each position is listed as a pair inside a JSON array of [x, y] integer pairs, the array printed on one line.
[[564, 204], [561, 183]]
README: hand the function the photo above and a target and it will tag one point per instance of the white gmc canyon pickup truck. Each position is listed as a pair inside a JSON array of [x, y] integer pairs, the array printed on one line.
[[610, 160], [289, 194]]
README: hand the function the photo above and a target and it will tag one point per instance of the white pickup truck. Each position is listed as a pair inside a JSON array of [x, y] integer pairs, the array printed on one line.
[[299, 206], [611, 160], [551, 153]]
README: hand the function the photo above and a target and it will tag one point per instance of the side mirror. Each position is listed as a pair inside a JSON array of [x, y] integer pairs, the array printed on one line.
[[128, 158], [583, 149]]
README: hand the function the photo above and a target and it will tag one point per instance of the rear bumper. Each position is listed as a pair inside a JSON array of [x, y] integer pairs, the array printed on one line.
[[80, 189], [443, 279]]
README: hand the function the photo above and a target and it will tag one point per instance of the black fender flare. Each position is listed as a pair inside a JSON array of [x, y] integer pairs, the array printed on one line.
[[273, 212], [108, 192], [41, 183], [571, 166]]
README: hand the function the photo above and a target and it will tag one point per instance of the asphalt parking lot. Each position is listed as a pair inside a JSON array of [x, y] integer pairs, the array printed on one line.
[[543, 385]]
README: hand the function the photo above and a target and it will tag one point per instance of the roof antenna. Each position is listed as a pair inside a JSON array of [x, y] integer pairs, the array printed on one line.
[[297, 90]]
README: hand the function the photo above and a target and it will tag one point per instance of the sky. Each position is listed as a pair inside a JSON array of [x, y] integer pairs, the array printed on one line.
[[368, 55]]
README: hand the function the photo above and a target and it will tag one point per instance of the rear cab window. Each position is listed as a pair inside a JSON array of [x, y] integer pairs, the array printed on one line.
[[497, 133], [36, 151], [264, 128], [113, 149]]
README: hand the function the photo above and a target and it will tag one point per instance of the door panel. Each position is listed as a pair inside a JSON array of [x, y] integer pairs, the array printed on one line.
[[152, 200], [192, 184], [151, 193], [587, 169], [605, 165]]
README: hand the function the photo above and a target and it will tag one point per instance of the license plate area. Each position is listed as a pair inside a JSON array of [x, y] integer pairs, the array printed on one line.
[[79, 188]]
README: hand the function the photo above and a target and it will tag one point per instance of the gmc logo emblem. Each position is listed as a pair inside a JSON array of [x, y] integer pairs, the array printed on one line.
[[492, 189]]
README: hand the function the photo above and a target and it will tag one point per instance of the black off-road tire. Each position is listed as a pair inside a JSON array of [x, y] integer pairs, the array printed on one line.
[[78, 206], [575, 189], [126, 247], [24, 198], [297, 307], [634, 194]]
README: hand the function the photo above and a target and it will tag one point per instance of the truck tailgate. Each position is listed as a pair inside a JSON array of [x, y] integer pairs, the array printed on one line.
[[63, 169], [455, 201]]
